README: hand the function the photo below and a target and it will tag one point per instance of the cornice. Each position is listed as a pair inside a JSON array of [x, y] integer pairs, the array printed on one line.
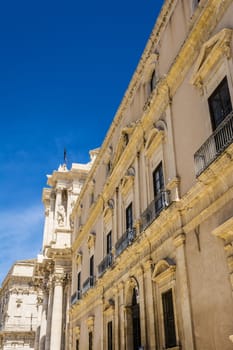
[[153, 40]]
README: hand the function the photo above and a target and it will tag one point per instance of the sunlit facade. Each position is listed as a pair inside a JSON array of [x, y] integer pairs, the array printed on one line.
[[152, 240], [138, 243]]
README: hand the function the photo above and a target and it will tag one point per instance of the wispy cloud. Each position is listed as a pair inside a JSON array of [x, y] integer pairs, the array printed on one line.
[[20, 234]]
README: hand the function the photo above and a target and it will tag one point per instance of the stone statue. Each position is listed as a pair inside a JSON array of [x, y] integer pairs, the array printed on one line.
[[61, 215]]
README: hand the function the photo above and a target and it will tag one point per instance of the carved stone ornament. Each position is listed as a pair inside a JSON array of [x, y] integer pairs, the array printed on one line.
[[211, 53], [61, 215], [90, 323], [79, 257], [77, 331], [164, 271], [91, 240]]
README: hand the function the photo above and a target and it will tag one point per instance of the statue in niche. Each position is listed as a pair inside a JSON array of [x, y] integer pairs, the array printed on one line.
[[61, 215]]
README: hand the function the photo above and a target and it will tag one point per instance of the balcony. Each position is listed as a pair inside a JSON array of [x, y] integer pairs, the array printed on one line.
[[16, 327], [160, 202], [221, 138], [125, 240], [105, 264], [75, 297], [89, 283]]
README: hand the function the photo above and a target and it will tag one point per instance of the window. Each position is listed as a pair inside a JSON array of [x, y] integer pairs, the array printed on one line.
[[136, 321], [129, 217], [152, 81], [92, 270], [77, 344], [109, 242], [220, 103], [169, 319], [90, 340], [158, 187], [109, 335], [79, 281]]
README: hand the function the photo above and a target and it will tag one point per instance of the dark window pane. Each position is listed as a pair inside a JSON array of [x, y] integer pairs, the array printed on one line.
[[90, 338], [77, 344], [79, 281], [136, 322], [129, 217], [220, 103], [158, 186], [169, 319], [109, 242], [109, 335], [92, 265]]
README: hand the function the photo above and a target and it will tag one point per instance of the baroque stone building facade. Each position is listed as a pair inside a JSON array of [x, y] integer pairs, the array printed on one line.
[[152, 240], [137, 250], [18, 307]]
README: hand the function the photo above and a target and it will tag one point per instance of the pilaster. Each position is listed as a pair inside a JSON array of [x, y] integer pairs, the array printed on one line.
[[179, 243], [56, 326]]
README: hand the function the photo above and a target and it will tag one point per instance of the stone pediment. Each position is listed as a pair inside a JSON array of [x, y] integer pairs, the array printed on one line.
[[164, 270], [211, 53], [123, 141]]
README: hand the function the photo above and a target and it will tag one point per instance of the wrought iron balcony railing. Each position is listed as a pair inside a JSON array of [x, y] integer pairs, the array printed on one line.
[[221, 138], [125, 240], [160, 202], [105, 264], [89, 283], [76, 297]]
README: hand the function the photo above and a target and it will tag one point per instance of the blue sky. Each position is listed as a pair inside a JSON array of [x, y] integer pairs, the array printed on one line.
[[64, 68]]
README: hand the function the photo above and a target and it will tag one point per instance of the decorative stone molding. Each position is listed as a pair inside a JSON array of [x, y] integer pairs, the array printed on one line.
[[225, 231], [90, 323], [154, 139], [58, 279], [164, 271], [150, 66], [77, 332], [91, 240], [179, 239], [109, 307], [79, 257], [212, 51]]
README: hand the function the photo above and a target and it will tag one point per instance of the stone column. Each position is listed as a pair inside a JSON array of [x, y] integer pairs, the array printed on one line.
[[149, 304], [116, 320], [122, 317], [56, 326], [179, 242], [143, 324], [43, 321], [49, 317]]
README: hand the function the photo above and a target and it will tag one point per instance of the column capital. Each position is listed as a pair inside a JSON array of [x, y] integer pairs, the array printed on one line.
[[148, 265], [179, 239], [58, 279]]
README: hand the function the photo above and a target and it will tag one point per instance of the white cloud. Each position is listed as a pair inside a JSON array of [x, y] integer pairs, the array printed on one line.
[[21, 235]]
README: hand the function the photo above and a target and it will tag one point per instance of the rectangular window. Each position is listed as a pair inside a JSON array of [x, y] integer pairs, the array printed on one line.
[[79, 281], [77, 344], [169, 319], [110, 335], [109, 242], [158, 187], [92, 270], [220, 103], [90, 340], [129, 217]]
